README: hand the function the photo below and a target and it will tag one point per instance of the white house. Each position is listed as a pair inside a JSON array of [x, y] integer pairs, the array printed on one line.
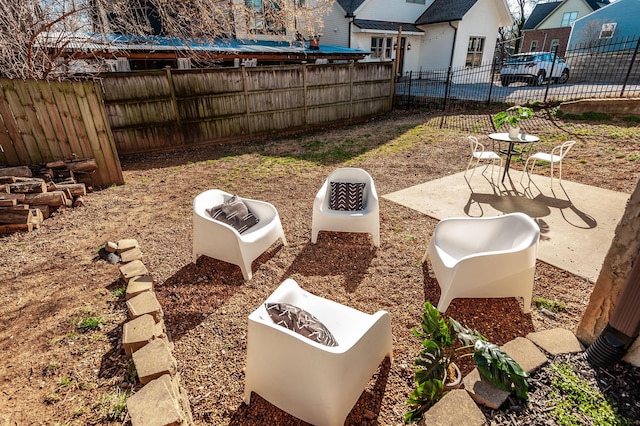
[[434, 34]]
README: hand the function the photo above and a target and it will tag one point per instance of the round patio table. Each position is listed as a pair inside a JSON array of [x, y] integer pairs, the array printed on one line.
[[510, 151]]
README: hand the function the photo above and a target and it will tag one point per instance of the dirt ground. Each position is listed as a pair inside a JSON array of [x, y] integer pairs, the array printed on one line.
[[61, 309]]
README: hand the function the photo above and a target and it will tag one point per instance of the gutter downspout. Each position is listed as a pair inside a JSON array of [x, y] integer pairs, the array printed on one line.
[[623, 327], [350, 16]]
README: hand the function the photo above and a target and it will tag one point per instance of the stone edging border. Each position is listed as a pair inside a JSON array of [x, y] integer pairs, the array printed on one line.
[[162, 400]]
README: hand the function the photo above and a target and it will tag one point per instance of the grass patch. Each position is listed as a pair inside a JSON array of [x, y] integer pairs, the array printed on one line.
[[550, 305], [113, 406], [631, 119], [587, 116], [633, 157], [119, 292], [577, 403], [91, 323]]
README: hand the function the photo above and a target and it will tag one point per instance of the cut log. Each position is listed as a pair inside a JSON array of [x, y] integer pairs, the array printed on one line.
[[31, 186], [17, 197], [4, 188], [86, 165], [22, 171], [60, 175], [76, 190], [7, 179], [15, 215], [15, 227], [8, 203], [78, 202], [36, 217], [46, 211], [58, 164], [52, 199]]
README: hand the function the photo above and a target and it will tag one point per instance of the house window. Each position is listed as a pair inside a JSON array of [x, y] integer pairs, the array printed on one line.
[[568, 18], [262, 14], [379, 48], [608, 30], [534, 46], [474, 51], [416, 1], [554, 45]]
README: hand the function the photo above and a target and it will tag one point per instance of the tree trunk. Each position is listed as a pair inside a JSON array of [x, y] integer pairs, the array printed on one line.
[[75, 189]]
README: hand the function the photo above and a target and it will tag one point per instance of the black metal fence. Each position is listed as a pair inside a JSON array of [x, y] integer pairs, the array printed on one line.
[[601, 69]]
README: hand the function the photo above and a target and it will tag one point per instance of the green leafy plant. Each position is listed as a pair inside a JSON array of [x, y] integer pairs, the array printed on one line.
[[512, 116], [91, 323], [439, 351]]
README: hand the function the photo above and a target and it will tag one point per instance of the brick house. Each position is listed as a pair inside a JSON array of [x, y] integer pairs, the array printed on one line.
[[549, 26]]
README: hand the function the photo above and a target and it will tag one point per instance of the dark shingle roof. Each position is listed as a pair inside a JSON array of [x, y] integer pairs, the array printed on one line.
[[539, 13], [366, 24], [445, 11], [542, 10], [597, 4], [350, 6]]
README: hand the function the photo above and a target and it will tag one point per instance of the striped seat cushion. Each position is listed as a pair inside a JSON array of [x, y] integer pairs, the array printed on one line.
[[234, 212], [346, 196], [300, 321]]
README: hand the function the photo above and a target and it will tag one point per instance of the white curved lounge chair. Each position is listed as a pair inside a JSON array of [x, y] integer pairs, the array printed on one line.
[[221, 241], [316, 383], [484, 257], [366, 220]]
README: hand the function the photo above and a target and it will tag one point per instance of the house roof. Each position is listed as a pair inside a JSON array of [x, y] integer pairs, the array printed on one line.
[[392, 27], [543, 10], [109, 43], [445, 11], [350, 6]]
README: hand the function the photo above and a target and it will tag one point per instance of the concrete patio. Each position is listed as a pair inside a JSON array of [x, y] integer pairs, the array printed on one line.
[[577, 222]]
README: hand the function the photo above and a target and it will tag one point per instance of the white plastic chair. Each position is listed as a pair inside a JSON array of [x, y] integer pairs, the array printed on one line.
[[484, 257], [365, 221], [221, 241], [478, 153], [555, 156], [316, 383]]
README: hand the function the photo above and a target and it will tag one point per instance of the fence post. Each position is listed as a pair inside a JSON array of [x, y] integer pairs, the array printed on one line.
[[245, 90], [306, 92], [553, 64], [633, 59], [174, 101], [351, 71], [493, 78], [409, 88], [446, 88]]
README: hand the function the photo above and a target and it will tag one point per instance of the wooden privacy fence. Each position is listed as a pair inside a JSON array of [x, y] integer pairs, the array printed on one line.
[[43, 121], [158, 110]]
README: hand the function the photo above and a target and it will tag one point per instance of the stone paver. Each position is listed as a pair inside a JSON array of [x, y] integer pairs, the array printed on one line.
[[145, 303], [556, 341], [139, 284], [633, 354], [131, 255], [137, 333], [156, 404], [154, 360], [127, 244], [525, 353], [454, 409], [133, 269], [483, 391]]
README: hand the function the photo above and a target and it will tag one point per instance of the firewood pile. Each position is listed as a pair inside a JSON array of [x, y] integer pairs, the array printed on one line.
[[30, 194]]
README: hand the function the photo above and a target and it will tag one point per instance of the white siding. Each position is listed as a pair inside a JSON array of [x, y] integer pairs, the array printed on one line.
[[391, 10], [336, 28], [555, 19]]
